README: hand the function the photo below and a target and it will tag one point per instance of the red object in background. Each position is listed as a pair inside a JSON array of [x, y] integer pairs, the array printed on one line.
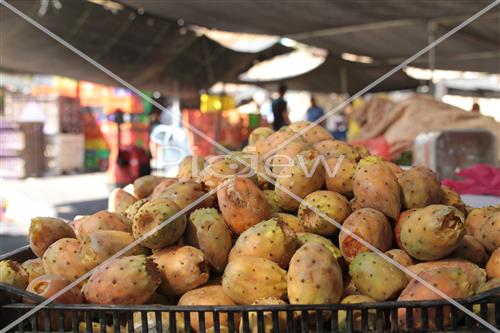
[[377, 146], [127, 164], [478, 179]]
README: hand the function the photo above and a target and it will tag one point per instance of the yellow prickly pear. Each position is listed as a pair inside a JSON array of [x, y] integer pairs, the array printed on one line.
[[44, 231]]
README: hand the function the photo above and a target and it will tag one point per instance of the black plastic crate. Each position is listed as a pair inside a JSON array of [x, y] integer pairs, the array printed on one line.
[[366, 317]]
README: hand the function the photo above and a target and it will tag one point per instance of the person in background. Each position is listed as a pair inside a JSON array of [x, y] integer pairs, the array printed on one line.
[[314, 112], [280, 109], [476, 108]]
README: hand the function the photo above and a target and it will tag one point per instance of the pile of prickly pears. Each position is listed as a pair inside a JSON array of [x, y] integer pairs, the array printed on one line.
[[296, 217]]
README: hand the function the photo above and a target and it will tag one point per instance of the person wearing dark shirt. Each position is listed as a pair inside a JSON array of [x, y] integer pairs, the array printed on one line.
[[279, 108], [314, 112]]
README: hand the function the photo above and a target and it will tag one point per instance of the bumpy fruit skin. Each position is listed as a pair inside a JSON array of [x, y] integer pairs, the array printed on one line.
[[126, 280], [207, 295], [119, 200], [182, 268], [285, 154], [292, 221], [340, 175], [166, 182], [376, 277], [396, 169], [451, 198], [217, 172], [397, 228], [331, 204], [48, 285], [493, 265], [62, 258], [190, 167], [34, 268], [400, 256], [259, 134], [474, 274], [376, 186], [370, 225], [420, 187], [314, 276], [432, 232], [153, 214], [46, 230], [134, 208], [11, 272], [306, 237], [314, 134], [248, 279], [472, 250], [271, 239], [306, 175], [207, 231], [356, 314], [184, 193], [102, 220], [144, 186], [489, 232], [253, 322], [476, 218], [272, 201], [336, 148], [242, 204], [102, 244], [267, 147], [450, 281]]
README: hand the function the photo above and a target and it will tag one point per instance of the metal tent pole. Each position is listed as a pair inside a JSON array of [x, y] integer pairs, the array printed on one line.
[[431, 36]]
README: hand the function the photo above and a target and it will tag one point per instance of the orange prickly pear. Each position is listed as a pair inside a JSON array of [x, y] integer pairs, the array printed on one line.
[[34, 268], [472, 250], [340, 177], [119, 200], [62, 258], [315, 133], [102, 220], [493, 265], [420, 187]]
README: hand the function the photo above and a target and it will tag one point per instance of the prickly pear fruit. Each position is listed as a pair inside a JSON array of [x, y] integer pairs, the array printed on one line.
[[207, 231], [491, 284], [247, 279], [451, 198], [253, 322], [305, 176], [161, 187], [272, 201], [217, 172], [144, 186], [184, 193], [271, 239], [450, 281], [474, 274], [336, 148], [11, 272], [376, 186], [419, 187], [355, 205], [46, 230], [493, 265], [259, 134], [102, 220], [370, 225], [102, 244], [472, 250], [400, 256], [125, 280], [62, 258], [306, 238], [34, 268], [374, 276], [190, 167], [291, 220], [268, 147], [242, 204], [285, 154], [151, 325], [119, 201], [314, 133], [476, 218], [182, 268], [350, 287], [207, 295], [362, 150], [340, 175], [396, 169], [153, 216], [134, 208], [489, 232], [329, 203], [432, 232], [314, 276], [356, 314], [48, 285]]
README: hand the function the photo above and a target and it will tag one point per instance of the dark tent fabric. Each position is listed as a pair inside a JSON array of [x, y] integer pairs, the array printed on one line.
[[387, 30], [149, 52]]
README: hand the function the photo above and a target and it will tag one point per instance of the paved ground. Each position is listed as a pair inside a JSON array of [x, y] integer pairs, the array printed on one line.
[[64, 196]]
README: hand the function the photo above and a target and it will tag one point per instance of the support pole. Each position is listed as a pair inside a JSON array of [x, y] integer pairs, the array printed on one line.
[[431, 36]]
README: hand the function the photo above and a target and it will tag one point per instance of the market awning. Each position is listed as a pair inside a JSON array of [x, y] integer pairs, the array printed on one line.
[[386, 30]]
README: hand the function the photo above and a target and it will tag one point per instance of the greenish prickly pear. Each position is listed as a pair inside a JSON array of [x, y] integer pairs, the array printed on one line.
[[46, 230], [247, 279], [420, 187], [271, 239], [307, 237], [259, 134], [34, 268], [153, 214], [207, 231], [493, 265], [11, 272], [469, 248], [374, 276], [331, 204], [432, 232], [126, 280], [314, 276], [62, 258], [451, 198], [272, 201], [134, 208]]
